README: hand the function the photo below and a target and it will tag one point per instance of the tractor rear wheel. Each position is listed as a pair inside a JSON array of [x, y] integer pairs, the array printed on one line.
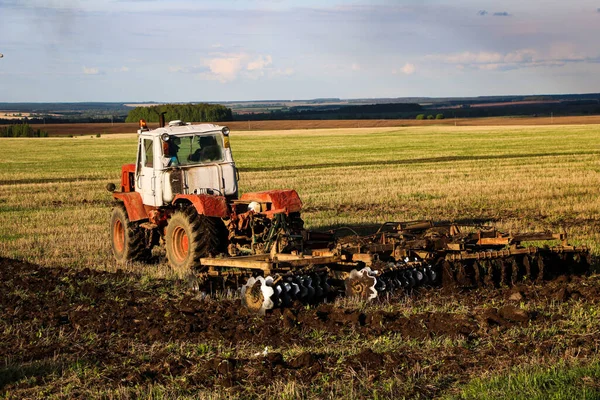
[[191, 236], [126, 237]]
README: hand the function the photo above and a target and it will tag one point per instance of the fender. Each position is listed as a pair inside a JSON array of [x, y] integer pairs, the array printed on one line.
[[127, 178], [133, 204], [287, 199], [211, 206]]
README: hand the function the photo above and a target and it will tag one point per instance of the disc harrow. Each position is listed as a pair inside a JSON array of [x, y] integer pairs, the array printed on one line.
[[398, 258], [261, 294]]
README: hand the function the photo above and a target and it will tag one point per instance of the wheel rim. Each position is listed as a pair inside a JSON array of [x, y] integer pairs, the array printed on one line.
[[119, 236], [180, 244]]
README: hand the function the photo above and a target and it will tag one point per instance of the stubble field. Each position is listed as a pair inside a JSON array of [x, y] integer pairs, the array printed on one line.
[[77, 324]]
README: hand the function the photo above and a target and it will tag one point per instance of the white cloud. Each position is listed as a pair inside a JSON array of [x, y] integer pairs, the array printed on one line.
[[283, 72], [259, 63], [559, 54], [355, 67], [91, 70], [124, 69], [408, 69], [225, 69]]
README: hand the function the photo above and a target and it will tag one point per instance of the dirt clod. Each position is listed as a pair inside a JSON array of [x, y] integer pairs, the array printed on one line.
[[513, 313], [516, 296]]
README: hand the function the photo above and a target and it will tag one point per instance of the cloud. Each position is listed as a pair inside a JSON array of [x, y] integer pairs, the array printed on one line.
[[124, 69], [259, 63], [91, 70], [501, 14], [283, 72], [355, 67], [227, 67], [408, 69], [558, 55], [482, 12]]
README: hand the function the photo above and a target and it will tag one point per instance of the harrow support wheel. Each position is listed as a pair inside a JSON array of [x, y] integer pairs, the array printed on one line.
[[126, 237], [189, 237]]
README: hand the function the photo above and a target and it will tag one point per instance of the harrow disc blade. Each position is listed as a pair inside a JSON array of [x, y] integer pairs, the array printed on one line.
[[325, 285], [316, 280], [361, 284], [295, 290], [431, 275], [286, 299], [303, 290], [382, 284], [425, 277], [409, 279], [256, 295], [417, 275], [308, 284]]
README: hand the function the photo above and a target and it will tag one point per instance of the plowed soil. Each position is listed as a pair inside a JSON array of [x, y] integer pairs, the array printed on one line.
[[114, 330]]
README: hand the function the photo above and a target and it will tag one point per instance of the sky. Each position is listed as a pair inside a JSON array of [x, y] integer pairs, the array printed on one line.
[[233, 50]]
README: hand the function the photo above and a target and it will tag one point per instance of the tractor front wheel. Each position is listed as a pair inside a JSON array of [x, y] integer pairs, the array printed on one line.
[[126, 237], [191, 236]]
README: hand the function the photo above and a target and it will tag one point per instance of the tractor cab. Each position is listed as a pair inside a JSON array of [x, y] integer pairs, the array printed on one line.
[[184, 159]]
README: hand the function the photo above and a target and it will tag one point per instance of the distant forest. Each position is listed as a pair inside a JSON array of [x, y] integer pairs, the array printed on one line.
[[185, 112]]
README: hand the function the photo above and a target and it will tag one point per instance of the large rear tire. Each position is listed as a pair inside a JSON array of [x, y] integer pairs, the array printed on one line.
[[191, 236], [126, 237]]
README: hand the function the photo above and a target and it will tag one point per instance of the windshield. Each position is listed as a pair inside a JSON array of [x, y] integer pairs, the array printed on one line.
[[191, 150]]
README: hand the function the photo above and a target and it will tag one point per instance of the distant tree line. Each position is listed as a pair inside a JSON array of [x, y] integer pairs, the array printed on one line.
[[71, 119], [430, 116], [201, 112], [330, 112], [21, 130]]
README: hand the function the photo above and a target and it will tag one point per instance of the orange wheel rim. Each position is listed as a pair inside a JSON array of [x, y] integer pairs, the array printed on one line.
[[181, 244], [119, 236]]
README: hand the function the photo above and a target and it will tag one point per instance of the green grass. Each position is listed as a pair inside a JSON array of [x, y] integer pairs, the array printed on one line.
[[559, 381]]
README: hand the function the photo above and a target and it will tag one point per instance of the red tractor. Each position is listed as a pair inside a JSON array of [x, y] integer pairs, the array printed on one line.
[[183, 192]]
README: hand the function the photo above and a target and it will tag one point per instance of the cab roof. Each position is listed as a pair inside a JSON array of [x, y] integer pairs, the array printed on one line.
[[182, 130]]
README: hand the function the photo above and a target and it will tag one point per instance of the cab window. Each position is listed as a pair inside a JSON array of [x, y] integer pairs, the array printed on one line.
[[149, 153]]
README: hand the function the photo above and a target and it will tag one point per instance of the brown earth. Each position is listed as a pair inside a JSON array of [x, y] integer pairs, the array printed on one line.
[[128, 329], [107, 128]]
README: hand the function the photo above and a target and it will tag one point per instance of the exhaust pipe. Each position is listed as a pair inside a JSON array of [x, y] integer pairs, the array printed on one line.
[[161, 119]]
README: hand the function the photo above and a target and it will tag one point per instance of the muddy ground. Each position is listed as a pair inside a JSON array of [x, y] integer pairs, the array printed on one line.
[[116, 330]]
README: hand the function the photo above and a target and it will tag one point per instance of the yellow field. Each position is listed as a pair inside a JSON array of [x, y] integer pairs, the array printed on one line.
[[55, 210]]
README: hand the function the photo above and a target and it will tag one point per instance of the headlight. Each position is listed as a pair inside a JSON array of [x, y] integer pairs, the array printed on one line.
[[254, 206], [165, 137], [225, 131]]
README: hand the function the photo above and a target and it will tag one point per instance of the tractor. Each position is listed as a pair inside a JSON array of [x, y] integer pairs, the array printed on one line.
[[182, 192]]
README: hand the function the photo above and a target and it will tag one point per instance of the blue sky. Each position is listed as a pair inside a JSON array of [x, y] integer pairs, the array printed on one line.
[[183, 50]]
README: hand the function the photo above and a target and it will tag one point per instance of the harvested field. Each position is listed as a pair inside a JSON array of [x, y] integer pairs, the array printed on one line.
[[108, 128], [88, 333], [76, 324]]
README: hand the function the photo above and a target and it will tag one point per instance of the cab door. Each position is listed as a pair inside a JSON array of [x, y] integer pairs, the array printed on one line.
[[146, 178]]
